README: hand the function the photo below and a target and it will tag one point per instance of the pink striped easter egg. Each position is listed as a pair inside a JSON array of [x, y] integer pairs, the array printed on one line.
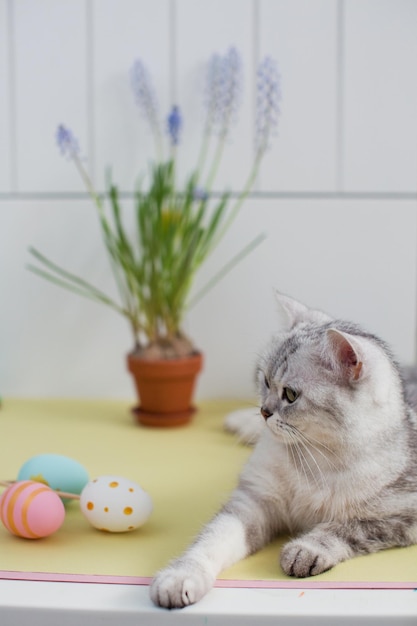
[[31, 510]]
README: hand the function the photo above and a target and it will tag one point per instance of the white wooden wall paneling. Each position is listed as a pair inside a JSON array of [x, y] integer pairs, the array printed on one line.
[[204, 28], [51, 88], [5, 117], [353, 257], [53, 342], [366, 274], [123, 32], [58, 344], [380, 124], [302, 36]]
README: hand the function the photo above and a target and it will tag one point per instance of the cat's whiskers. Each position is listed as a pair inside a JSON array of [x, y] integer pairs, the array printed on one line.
[[310, 441], [319, 473], [318, 477], [294, 462], [303, 461]]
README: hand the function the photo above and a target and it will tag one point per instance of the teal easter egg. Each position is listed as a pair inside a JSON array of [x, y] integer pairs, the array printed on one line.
[[59, 472]]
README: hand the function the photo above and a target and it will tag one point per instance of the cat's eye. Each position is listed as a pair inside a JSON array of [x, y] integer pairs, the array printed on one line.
[[289, 394], [266, 382]]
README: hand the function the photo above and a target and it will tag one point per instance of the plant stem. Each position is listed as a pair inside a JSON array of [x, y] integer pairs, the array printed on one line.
[[240, 199], [216, 162], [226, 269], [124, 291]]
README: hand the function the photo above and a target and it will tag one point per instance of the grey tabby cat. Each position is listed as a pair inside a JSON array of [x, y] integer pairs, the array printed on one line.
[[335, 464]]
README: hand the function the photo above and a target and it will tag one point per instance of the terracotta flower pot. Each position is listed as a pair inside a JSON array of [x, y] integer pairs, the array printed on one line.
[[165, 389]]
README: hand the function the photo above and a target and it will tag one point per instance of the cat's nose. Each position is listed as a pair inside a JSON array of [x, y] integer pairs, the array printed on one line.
[[265, 412]]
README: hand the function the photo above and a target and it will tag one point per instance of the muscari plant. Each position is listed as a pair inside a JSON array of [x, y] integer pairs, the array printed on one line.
[[177, 228]]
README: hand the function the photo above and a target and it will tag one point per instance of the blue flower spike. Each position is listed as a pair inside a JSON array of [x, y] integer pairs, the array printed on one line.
[[67, 142], [232, 85], [267, 103], [223, 90], [174, 123], [144, 92]]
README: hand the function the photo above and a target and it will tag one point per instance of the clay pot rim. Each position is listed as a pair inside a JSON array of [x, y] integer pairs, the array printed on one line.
[[193, 356], [177, 366]]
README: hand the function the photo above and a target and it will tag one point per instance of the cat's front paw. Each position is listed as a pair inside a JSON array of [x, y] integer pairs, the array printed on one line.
[[246, 423], [302, 558], [179, 585]]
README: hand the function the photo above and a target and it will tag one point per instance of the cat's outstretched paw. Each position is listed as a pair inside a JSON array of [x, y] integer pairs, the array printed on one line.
[[179, 585], [302, 558], [246, 423]]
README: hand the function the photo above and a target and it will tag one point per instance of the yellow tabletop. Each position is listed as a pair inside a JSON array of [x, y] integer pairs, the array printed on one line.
[[188, 471]]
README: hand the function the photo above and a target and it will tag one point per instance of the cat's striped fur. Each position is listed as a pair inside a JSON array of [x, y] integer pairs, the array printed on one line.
[[335, 463]]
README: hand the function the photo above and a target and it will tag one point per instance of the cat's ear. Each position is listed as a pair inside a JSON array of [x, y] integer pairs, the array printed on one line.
[[296, 313], [345, 355]]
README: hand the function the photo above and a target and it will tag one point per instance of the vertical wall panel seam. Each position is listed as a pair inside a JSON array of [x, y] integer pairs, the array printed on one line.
[[415, 298], [415, 290], [90, 100], [340, 95], [172, 50], [12, 96], [255, 61]]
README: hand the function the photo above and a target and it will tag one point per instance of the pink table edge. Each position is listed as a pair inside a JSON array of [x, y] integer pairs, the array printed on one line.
[[237, 584]]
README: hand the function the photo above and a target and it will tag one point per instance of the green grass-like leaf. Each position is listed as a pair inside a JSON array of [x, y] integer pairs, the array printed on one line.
[[155, 266]]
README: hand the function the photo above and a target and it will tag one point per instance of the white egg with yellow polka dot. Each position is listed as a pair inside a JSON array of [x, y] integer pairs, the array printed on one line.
[[115, 504]]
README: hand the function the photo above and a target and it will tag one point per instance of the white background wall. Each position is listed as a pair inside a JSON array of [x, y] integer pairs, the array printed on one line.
[[336, 195]]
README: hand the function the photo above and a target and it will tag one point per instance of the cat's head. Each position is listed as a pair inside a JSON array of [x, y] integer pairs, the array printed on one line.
[[325, 378]]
